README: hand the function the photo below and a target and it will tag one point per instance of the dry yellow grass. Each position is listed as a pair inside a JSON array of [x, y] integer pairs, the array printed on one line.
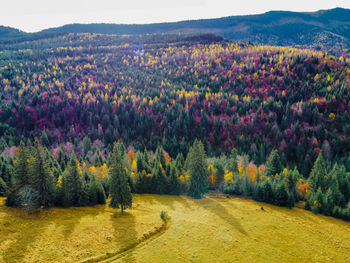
[[207, 230], [70, 235]]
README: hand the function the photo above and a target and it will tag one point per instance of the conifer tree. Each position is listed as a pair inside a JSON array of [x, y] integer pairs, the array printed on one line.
[[198, 172], [43, 181], [44, 140], [174, 182], [21, 167], [246, 186], [158, 180], [72, 183], [318, 174], [3, 187], [87, 145], [119, 187], [268, 192], [281, 195], [273, 164]]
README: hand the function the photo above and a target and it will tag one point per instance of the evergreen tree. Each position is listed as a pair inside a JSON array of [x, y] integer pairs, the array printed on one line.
[[44, 140], [3, 187], [98, 159], [72, 183], [273, 164], [119, 187], [281, 194], [160, 156], [179, 163], [96, 192], [158, 180], [43, 181], [246, 186], [174, 182], [62, 159], [258, 193], [21, 167], [197, 170], [318, 174], [87, 145], [268, 192]]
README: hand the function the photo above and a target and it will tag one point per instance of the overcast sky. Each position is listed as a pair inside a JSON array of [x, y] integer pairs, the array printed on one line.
[[35, 15]]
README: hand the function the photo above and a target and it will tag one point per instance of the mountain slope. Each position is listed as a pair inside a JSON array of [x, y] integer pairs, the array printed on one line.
[[322, 28]]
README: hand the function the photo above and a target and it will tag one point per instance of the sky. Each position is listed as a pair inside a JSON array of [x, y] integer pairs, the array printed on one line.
[[35, 15]]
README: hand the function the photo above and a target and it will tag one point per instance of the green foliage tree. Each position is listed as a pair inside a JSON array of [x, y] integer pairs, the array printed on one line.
[[72, 183], [281, 195], [87, 145], [21, 167], [318, 174], [42, 179], [44, 140], [197, 170], [158, 180], [119, 187], [273, 164], [3, 187], [174, 182]]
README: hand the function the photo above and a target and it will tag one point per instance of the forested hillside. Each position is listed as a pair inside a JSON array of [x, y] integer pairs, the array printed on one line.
[[68, 98]]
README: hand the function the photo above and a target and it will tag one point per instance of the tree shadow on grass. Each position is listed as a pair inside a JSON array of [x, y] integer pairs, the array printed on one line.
[[124, 225], [29, 228], [219, 210]]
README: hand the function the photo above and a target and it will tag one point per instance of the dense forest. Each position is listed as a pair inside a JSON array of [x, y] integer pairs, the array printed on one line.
[[68, 98]]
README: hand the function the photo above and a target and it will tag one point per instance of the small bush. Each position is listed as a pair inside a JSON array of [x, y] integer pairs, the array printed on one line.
[[163, 215]]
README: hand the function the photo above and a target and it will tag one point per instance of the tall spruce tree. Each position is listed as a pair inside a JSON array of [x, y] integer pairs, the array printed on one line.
[[72, 183], [119, 187], [198, 171], [21, 167], [42, 179], [232, 162], [174, 182], [318, 174], [273, 164]]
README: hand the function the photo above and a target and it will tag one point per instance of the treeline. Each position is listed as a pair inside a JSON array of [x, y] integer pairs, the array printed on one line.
[[169, 90], [35, 178], [33, 183]]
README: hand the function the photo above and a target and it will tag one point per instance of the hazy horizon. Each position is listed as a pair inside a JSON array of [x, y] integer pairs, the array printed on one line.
[[33, 16]]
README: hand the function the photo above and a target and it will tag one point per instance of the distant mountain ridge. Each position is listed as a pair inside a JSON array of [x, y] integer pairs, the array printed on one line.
[[324, 28]]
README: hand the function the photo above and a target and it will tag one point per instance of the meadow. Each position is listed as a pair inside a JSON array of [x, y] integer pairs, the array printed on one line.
[[213, 229]]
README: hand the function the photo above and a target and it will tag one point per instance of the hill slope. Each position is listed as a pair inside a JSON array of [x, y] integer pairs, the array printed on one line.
[[323, 28]]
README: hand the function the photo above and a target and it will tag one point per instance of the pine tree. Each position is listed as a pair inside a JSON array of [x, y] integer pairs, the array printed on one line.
[[72, 183], [246, 186], [197, 170], [119, 187], [273, 164], [179, 163], [43, 181], [44, 140], [160, 156], [318, 174], [21, 167], [158, 180], [87, 145], [174, 182], [258, 193], [268, 192], [281, 195], [3, 187]]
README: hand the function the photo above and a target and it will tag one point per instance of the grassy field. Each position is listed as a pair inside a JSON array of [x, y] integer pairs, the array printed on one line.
[[213, 229]]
